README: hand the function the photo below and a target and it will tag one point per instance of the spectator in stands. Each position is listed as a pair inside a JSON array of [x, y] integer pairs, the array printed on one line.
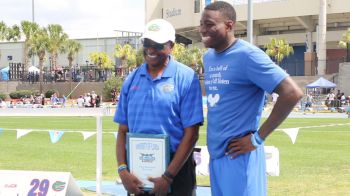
[[113, 95], [309, 100], [2, 104], [330, 98], [98, 101], [342, 100], [87, 100], [80, 101]]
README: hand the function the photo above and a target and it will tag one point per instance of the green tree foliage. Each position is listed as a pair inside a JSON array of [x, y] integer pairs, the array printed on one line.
[[28, 29], [139, 56], [50, 92], [190, 56], [3, 96], [278, 49], [9, 33], [345, 43], [39, 45], [101, 59], [20, 94], [72, 47], [3, 30], [127, 55], [111, 83], [13, 33], [57, 40]]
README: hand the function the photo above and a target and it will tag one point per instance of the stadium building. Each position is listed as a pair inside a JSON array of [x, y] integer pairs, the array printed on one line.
[[312, 27]]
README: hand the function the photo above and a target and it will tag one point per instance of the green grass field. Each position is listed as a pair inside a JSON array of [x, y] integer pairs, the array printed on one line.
[[317, 164]]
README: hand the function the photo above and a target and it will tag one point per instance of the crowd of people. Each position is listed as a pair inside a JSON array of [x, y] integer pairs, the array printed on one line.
[[89, 100], [337, 100], [331, 101]]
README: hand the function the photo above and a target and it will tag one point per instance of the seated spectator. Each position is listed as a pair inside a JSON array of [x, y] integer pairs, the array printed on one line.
[[2, 104], [80, 101], [98, 101], [309, 100]]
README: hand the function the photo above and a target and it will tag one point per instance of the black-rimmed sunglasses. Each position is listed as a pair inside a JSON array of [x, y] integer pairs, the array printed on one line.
[[151, 44]]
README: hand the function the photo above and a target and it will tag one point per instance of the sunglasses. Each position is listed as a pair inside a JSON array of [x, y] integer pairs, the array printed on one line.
[[151, 44]]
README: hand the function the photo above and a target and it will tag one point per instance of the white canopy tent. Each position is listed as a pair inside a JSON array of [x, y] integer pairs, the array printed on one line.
[[316, 89], [33, 69]]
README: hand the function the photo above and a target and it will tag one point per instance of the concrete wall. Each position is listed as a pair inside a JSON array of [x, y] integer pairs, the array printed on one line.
[[63, 88], [290, 8], [15, 49], [181, 14], [344, 78]]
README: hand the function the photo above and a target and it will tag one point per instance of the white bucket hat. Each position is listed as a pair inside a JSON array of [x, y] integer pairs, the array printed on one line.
[[160, 31]]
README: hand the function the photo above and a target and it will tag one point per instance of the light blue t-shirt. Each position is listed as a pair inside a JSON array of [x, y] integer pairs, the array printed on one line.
[[235, 82], [163, 105]]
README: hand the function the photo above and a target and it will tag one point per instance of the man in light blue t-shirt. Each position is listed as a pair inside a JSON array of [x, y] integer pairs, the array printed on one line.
[[237, 74]]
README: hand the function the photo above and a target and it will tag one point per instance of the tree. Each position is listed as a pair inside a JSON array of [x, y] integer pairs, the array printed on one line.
[[127, 55], [57, 40], [345, 43], [191, 57], [13, 33], [9, 33], [3, 32], [180, 53], [278, 49], [102, 60], [139, 56], [71, 47], [39, 44], [28, 29], [195, 58], [111, 83]]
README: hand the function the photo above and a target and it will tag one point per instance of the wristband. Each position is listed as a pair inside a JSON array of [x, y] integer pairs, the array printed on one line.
[[167, 179], [122, 167], [169, 175], [256, 139]]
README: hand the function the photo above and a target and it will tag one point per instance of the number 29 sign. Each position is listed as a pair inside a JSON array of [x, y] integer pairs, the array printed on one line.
[[37, 183]]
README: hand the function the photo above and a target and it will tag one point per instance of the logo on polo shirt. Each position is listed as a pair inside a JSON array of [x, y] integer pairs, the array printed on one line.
[[167, 88], [135, 88]]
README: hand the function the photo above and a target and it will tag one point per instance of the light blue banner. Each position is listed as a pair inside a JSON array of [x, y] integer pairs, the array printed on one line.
[[55, 136]]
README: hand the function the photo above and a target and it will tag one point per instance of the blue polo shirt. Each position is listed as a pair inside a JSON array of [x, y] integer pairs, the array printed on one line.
[[235, 84], [163, 105]]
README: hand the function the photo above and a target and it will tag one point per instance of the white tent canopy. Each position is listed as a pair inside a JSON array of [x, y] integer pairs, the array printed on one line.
[[33, 69], [321, 83]]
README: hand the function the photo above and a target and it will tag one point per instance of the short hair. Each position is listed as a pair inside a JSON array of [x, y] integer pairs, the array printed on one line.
[[224, 8]]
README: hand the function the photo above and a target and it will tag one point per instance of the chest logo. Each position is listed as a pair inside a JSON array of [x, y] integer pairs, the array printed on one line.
[[167, 88], [213, 99]]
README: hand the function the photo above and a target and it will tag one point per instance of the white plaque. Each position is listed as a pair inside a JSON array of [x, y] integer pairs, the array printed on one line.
[[148, 156]]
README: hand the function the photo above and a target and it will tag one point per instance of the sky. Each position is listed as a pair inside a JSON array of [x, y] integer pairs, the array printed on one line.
[[79, 18]]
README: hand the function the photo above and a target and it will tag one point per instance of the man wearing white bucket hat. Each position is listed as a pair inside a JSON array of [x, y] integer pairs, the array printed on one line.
[[162, 96]]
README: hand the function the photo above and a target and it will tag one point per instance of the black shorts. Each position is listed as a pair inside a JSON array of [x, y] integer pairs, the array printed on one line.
[[184, 183]]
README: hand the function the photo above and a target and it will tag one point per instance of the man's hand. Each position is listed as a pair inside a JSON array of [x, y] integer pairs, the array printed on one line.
[[161, 186], [130, 182], [240, 146]]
